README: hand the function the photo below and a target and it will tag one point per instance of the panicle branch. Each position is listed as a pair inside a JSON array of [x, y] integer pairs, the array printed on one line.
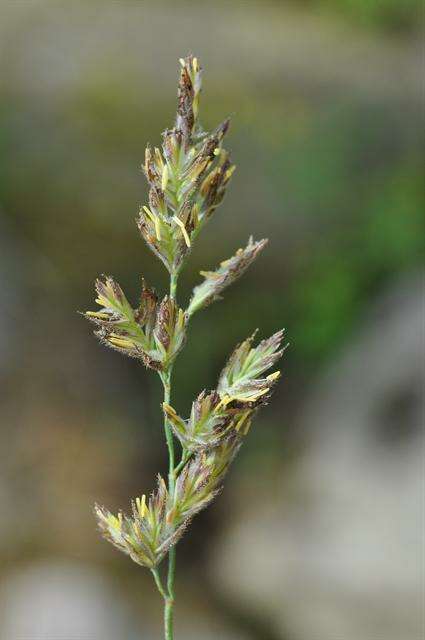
[[228, 272], [154, 332], [156, 525], [240, 393]]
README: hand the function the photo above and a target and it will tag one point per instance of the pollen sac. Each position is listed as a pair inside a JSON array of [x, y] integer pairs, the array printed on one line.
[[154, 333], [210, 421], [227, 273], [187, 178], [239, 380]]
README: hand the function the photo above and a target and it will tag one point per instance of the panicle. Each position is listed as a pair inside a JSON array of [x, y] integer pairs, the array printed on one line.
[[154, 332], [187, 178]]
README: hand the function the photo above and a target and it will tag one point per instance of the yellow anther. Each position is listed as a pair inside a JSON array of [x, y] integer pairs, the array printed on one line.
[[273, 376], [155, 221], [195, 105], [102, 301], [100, 315], [241, 420], [183, 229], [164, 180], [181, 318], [254, 396], [114, 522], [158, 158], [217, 151], [157, 228], [121, 342], [247, 427], [143, 507], [182, 62], [259, 394], [229, 172], [195, 214], [212, 275], [223, 402], [195, 64]]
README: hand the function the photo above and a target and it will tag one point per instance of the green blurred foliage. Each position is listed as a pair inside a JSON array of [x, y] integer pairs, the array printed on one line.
[[389, 15]]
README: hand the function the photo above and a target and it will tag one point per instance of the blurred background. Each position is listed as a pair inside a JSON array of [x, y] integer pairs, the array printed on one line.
[[318, 533]]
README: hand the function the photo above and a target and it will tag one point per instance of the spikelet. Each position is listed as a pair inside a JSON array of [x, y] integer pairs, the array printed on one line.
[[154, 332], [187, 178], [228, 272], [231, 407]]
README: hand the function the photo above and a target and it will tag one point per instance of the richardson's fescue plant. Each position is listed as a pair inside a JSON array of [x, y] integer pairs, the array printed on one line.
[[187, 181]]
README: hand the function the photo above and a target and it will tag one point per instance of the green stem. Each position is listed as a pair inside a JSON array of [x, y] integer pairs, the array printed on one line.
[[185, 457], [168, 606], [169, 618], [169, 596], [158, 582], [166, 381]]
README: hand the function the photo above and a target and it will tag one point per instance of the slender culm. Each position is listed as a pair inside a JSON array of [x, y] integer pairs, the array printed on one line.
[[187, 180]]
